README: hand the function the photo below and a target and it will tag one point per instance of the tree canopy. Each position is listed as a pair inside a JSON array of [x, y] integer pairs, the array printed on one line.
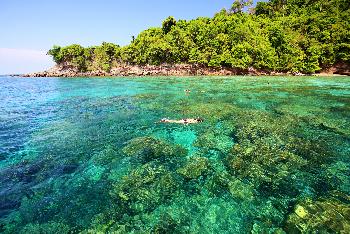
[[278, 35]]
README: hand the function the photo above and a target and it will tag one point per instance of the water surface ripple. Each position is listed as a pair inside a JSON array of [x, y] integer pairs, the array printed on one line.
[[89, 155]]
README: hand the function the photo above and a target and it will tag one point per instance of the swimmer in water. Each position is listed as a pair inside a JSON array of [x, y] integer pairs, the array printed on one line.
[[182, 121]]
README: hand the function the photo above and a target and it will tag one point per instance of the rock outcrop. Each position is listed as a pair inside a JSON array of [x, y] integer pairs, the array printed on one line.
[[150, 70], [340, 68], [175, 70]]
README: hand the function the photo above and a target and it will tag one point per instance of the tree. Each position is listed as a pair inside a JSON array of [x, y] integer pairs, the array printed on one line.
[[168, 23], [238, 5], [105, 54], [282, 35], [74, 55], [263, 8], [55, 52]]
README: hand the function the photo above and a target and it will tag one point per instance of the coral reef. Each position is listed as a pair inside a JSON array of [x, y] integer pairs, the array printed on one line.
[[273, 151], [149, 148], [324, 215], [337, 176], [214, 140], [46, 228], [263, 163], [270, 157], [145, 188], [240, 190], [196, 167]]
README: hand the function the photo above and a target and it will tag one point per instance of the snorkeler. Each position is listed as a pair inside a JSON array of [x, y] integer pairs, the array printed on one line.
[[182, 121]]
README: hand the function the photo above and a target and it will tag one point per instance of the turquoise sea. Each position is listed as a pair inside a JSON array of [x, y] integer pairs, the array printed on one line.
[[88, 155]]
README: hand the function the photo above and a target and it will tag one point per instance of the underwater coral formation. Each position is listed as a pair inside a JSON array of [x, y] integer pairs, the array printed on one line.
[[149, 148], [253, 165], [145, 188], [324, 215], [195, 168]]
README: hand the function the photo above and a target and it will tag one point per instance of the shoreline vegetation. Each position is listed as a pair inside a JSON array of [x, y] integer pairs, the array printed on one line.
[[277, 37]]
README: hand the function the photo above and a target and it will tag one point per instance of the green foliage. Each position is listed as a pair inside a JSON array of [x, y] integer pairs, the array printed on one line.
[[263, 8], [150, 47], [238, 5], [288, 36], [55, 53], [100, 57], [168, 24], [74, 55], [105, 54]]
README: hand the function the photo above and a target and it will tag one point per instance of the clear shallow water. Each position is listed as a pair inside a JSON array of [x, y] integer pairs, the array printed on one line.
[[87, 155]]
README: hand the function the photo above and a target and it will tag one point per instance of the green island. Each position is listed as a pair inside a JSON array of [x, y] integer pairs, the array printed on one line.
[[275, 37]]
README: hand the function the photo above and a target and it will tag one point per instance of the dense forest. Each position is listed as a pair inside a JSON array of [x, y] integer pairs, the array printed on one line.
[[279, 35]]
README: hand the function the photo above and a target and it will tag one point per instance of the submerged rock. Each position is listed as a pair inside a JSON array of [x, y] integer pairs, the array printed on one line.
[[195, 168], [277, 153], [50, 227], [259, 228], [214, 140], [145, 188], [263, 163], [320, 216], [240, 190], [149, 148]]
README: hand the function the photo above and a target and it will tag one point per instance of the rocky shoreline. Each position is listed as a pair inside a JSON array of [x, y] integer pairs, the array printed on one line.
[[172, 70], [152, 70]]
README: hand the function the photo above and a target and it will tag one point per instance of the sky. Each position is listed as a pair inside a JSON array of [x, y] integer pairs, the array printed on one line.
[[29, 28]]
